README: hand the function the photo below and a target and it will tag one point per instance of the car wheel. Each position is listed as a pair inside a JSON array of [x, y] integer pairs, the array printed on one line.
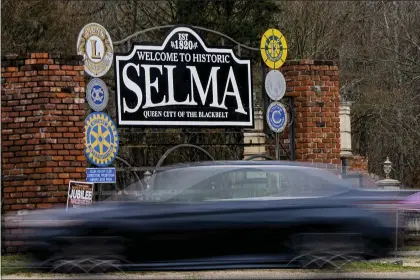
[[86, 264], [88, 255], [326, 250]]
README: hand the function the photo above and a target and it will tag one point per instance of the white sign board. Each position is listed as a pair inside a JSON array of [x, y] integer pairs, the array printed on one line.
[[275, 85]]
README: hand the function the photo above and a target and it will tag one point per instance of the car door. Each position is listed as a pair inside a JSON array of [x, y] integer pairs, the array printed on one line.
[[222, 224]]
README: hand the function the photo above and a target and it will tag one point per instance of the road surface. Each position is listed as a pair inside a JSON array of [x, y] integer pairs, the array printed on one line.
[[228, 274]]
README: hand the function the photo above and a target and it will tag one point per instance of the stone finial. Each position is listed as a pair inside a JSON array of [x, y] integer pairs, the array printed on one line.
[[387, 167], [388, 183]]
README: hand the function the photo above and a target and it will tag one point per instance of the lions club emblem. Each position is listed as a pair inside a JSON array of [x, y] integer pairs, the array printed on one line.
[[95, 44]]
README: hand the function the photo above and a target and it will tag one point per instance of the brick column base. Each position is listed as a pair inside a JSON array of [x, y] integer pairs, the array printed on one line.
[[43, 111]]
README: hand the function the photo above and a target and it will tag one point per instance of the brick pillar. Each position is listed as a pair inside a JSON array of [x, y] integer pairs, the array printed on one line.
[[43, 110], [314, 87]]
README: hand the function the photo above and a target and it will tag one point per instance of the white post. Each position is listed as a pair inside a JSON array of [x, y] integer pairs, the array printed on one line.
[[345, 129], [345, 134]]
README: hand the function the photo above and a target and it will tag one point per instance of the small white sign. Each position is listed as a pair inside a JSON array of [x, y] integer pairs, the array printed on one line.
[[275, 85]]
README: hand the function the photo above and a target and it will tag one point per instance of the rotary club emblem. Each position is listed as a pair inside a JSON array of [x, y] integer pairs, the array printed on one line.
[[102, 140]]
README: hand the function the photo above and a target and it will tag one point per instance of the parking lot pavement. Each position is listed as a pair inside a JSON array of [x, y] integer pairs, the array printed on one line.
[[227, 274]]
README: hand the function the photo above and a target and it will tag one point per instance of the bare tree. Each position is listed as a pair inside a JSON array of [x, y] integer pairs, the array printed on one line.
[[376, 43]]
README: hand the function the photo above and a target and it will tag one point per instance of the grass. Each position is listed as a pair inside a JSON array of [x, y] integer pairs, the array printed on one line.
[[12, 264], [378, 267], [411, 248]]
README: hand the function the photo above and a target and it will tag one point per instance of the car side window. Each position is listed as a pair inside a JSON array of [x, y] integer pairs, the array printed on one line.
[[252, 183], [237, 183], [256, 182], [297, 183], [208, 189]]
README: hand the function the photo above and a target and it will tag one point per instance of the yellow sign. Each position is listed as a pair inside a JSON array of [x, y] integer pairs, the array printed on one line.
[[273, 48]]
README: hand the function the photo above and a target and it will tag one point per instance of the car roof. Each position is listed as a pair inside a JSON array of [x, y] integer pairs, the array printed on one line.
[[250, 163]]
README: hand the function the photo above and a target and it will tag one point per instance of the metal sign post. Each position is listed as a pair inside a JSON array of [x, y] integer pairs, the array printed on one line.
[[274, 52], [277, 121]]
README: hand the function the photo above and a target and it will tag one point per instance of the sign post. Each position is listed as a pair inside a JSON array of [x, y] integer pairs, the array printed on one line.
[[274, 52], [277, 121]]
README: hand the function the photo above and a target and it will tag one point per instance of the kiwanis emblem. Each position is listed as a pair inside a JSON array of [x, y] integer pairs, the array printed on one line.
[[97, 94], [276, 117], [95, 44], [101, 139], [273, 48]]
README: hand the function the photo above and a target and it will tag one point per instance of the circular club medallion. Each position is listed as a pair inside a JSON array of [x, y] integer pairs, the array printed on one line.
[[95, 44], [275, 85], [273, 48], [97, 94], [276, 117], [102, 140]]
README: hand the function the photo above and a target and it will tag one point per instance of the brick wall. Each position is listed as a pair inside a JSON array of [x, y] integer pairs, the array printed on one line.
[[43, 111], [358, 163], [317, 120]]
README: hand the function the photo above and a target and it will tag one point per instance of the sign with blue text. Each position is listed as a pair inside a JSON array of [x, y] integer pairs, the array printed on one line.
[[101, 175], [183, 82], [276, 117]]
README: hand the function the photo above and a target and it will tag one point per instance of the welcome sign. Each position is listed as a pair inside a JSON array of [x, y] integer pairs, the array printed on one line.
[[80, 194], [182, 82]]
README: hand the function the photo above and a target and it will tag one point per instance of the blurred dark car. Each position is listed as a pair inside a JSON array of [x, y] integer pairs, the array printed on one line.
[[234, 214]]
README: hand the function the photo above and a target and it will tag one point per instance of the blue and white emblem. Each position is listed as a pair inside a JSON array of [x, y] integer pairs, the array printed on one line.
[[97, 94], [276, 117]]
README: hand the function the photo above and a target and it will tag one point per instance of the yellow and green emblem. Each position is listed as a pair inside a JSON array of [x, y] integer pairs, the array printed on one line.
[[273, 48]]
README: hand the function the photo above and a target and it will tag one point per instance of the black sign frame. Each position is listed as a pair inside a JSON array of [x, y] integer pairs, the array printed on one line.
[[237, 120]]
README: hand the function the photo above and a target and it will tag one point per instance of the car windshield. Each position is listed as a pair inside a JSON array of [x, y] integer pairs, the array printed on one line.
[[193, 184]]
